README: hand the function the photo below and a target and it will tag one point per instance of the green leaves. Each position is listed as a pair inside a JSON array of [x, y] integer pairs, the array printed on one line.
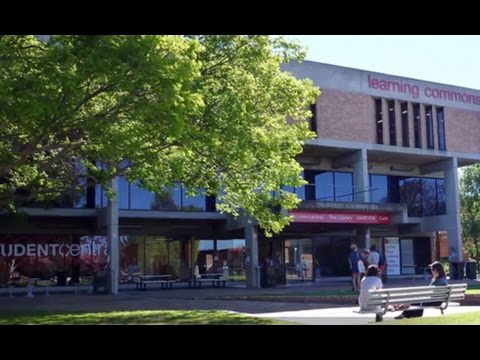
[[470, 209], [210, 111]]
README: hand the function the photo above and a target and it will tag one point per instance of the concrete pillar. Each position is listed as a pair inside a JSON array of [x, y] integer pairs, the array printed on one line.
[[251, 264], [360, 177], [385, 122], [363, 237], [435, 127], [452, 202], [411, 127], [300, 252], [113, 240], [398, 123]]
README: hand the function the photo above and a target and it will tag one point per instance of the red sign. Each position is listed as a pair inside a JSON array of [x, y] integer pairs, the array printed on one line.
[[339, 217]]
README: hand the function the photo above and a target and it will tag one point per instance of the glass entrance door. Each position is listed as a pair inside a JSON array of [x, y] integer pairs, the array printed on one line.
[[298, 260]]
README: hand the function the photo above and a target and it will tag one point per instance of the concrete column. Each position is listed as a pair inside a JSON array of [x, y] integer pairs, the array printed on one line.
[[360, 177], [452, 202], [435, 127], [398, 123], [411, 127], [113, 240], [385, 122], [363, 237], [251, 263]]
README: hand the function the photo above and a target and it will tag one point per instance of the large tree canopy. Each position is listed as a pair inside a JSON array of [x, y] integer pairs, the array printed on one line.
[[209, 111], [470, 210]]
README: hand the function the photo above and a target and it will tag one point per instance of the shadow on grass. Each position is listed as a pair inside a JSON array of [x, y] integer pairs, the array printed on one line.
[[164, 317], [470, 318]]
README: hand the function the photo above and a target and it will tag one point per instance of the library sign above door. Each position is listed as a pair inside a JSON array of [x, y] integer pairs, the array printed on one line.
[[317, 217]]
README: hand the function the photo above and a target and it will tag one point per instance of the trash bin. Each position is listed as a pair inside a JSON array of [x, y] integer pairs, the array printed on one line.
[[461, 271], [471, 270], [100, 280], [61, 278], [453, 272], [263, 276], [271, 279]]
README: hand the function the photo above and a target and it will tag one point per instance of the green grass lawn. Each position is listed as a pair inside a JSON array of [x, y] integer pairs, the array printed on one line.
[[471, 318], [150, 317]]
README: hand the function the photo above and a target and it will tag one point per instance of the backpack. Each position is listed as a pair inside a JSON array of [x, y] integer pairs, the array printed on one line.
[[381, 259]]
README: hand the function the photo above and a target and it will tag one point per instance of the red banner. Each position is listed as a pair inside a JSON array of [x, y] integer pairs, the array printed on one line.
[[339, 217]]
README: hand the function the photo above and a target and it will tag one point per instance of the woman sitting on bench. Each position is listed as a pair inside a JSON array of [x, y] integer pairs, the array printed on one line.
[[438, 279], [371, 281]]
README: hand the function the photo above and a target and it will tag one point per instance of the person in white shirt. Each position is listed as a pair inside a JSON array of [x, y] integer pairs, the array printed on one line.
[[370, 282], [374, 256]]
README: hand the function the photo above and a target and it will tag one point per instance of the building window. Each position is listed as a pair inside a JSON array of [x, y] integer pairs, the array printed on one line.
[[429, 122], [429, 197], [379, 189], [343, 187], [313, 119], [441, 129], [411, 194], [328, 186], [423, 196], [416, 125], [441, 198], [379, 120], [405, 134], [391, 122]]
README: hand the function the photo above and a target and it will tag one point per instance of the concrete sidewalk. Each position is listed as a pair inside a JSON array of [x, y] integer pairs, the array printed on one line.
[[347, 316]]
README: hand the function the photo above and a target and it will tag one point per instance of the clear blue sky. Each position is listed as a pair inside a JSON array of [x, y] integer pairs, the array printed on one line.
[[448, 59]]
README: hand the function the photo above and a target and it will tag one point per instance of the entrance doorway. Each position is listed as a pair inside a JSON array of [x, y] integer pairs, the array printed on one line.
[[299, 260], [331, 256]]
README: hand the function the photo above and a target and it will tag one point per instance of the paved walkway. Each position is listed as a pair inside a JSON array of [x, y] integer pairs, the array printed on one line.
[[347, 316], [214, 299]]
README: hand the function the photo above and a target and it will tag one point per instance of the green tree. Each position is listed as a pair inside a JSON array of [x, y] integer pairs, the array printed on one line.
[[470, 210], [209, 111]]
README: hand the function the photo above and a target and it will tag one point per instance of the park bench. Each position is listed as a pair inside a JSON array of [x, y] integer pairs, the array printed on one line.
[[214, 278], [379, 301], [165, 281], [85, 282]]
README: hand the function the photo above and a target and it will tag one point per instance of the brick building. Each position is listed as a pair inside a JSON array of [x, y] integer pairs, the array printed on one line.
[[382, 171]]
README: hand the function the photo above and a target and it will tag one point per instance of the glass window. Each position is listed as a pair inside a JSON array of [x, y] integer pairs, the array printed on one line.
[[100, 198], [123, 193], [171, 199], [391, 122], [429, 123], [343, 187], [411, 194], [80, 196], [193, 203], [379, 120], [140, 199], [324, 190], [379, 192], [405, 133], [156, 256], [204, 256], [131, 253], [441, 196], [429, 197], [313, 119], [230, 257], [300, 191], [416, 125], [441, 129]]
